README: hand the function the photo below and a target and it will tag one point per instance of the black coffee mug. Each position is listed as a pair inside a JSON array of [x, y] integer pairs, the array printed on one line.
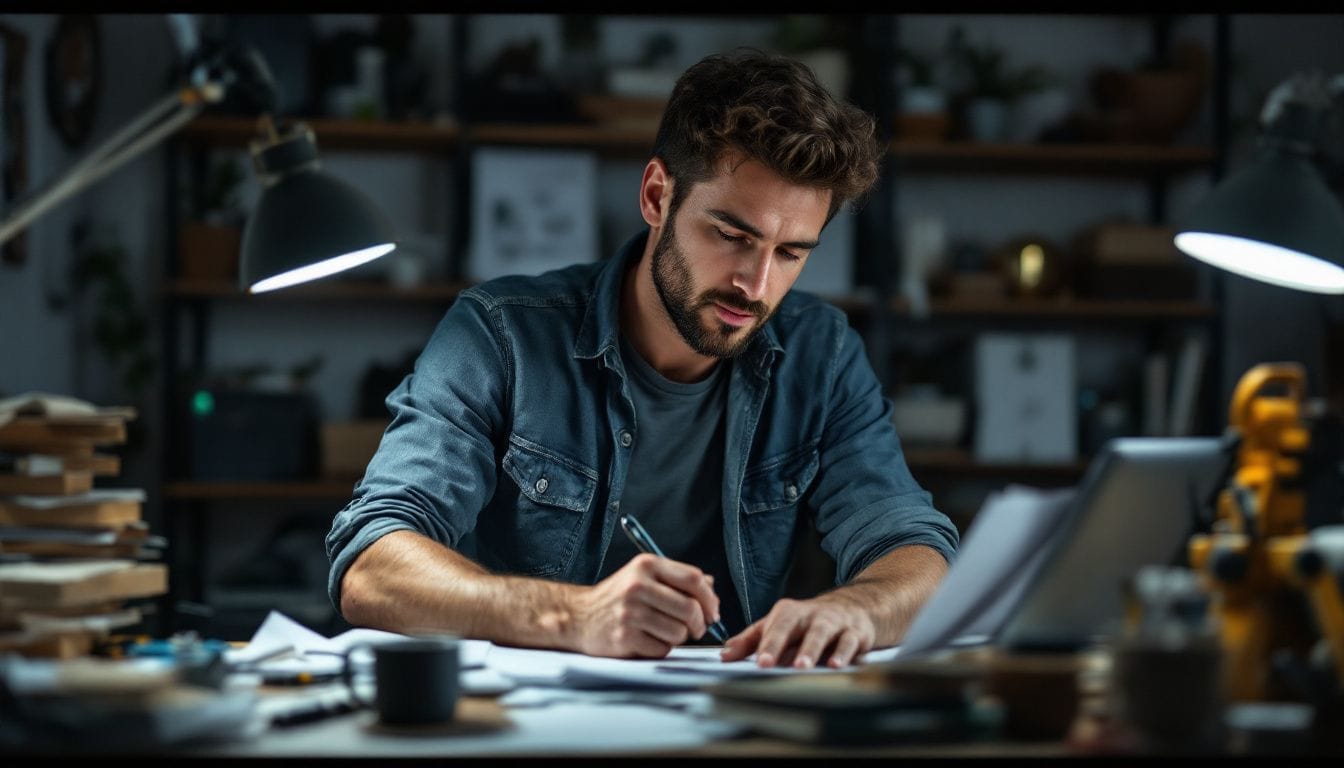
[[415, 680]]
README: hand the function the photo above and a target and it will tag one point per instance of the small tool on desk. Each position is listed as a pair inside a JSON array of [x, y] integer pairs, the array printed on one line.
[[644, 542]]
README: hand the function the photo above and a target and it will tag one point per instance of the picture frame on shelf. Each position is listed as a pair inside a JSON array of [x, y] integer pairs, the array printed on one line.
[[533, 210]]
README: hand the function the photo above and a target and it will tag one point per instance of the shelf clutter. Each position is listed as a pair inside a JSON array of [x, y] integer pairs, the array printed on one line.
[[74, 557]]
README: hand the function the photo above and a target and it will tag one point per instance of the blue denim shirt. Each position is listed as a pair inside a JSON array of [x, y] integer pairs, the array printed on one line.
[[510, 440]]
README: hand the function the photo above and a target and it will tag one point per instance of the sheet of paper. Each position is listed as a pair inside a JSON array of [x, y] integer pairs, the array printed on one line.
[[996, 560], [288, 646], [96, 496], [685, 668], [61, 572]]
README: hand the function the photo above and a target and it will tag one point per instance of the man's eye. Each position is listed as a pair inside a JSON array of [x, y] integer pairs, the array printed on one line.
[[730, 238], [790, 256]]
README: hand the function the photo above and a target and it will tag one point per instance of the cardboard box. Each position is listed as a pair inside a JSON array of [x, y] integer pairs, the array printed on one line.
[[347, 446], [1123, 260]]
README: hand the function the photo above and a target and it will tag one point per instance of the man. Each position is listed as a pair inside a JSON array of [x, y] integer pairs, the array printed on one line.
[[679, 382]]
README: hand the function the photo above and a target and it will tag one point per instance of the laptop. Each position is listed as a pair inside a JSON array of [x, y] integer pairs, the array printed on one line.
[[1047, 570]]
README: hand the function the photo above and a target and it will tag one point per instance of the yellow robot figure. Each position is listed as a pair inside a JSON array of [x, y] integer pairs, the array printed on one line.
[[1258, 560]]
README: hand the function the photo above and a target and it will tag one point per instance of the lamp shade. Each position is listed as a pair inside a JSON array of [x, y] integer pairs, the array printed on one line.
[[307, 224], [1274, 221]]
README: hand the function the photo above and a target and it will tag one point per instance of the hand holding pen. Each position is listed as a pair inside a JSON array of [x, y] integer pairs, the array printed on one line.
[[645, 543]]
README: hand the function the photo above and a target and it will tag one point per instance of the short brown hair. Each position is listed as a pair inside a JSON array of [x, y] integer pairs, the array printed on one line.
[[771, 108]]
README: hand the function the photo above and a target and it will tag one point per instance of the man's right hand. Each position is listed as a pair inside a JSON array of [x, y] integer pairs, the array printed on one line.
[[645, 609]]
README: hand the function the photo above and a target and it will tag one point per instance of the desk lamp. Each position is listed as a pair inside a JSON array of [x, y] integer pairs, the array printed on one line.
[[1278, 601], [306, 224], [1276, 220]]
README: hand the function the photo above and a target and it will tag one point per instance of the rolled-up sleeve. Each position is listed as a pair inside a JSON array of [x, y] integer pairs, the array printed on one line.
[[435, 468], [866, 502]]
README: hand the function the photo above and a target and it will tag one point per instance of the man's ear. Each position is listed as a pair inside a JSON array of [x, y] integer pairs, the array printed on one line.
[[655, 193]]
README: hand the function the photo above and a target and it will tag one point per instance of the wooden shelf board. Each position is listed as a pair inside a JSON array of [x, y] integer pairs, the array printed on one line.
[[610, 137], [1063, 309], [1081, 159], [961, 461], [330, 132], [320, 291]]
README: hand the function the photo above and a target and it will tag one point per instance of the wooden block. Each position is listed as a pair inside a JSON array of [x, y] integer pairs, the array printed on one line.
[[79, 583]]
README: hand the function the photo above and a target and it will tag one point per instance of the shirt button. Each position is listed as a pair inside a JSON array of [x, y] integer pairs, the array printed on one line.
[[626, 438], [542, 485], [790, 491], [615, 506]]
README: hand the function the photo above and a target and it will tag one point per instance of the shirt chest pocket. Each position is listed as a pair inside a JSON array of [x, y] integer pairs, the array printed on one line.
[[554, 494], [771, 492]]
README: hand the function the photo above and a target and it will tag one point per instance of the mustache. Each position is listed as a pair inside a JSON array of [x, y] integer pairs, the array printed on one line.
[[734, 302]]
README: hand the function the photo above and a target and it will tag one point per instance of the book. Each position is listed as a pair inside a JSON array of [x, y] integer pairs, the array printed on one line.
[[65, 483], [17, 618], [846, 708], [132, 542], [59, 407], [79, 582], [1185, 386], [57, 645], [30, 433], [35, 464], [1155, 377], [99, 508]]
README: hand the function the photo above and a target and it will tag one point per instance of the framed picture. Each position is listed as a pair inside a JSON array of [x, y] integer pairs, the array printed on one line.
[[533, 210]]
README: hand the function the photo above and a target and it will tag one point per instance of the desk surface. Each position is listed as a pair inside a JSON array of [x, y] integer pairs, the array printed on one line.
[[571, 729], [544, 719]]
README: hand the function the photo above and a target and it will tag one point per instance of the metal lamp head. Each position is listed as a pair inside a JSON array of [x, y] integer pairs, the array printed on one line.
[[1276, 220], [307, 224]]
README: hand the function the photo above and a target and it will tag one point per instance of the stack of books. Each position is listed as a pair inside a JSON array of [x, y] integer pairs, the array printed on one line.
[[74, 558]]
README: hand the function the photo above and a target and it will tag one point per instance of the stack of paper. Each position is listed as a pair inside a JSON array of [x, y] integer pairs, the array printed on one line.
[[72, 556]]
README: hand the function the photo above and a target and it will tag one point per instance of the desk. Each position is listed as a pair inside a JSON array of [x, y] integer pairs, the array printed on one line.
[[545, 720], [567, 730]]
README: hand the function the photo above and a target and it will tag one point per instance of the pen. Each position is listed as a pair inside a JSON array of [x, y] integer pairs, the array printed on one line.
[[309, 712], [644, 542]]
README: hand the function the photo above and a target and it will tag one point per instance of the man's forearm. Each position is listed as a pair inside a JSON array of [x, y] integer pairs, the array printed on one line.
[[407, 583], [893, 589]]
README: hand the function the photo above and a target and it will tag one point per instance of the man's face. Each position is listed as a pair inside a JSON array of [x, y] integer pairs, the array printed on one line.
[[731, 251]]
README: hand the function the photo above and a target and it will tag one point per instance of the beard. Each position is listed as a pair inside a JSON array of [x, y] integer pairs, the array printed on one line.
[[672, 279]]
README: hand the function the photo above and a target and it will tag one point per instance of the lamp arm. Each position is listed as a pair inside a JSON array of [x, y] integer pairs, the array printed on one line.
[[142, 133]]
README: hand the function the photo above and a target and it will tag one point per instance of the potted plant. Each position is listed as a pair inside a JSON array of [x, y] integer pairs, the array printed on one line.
[[819, 42], [991, 87], [923, 113], [212, 237]]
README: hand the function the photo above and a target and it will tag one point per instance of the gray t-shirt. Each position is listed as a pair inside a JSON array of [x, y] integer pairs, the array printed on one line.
[[675, 482]]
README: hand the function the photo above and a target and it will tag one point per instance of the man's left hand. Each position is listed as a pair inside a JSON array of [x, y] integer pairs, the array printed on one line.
[[804, 633]]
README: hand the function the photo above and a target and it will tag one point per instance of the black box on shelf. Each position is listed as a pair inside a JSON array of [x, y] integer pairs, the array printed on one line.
[[252, 436]]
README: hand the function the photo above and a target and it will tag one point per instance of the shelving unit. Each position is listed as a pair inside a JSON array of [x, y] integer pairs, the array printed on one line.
[[875, 309]]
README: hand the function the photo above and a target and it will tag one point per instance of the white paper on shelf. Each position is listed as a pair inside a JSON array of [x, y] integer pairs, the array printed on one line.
[[96, 496]]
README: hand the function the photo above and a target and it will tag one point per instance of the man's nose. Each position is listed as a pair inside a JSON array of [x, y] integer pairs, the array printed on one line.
[[753, 274]]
